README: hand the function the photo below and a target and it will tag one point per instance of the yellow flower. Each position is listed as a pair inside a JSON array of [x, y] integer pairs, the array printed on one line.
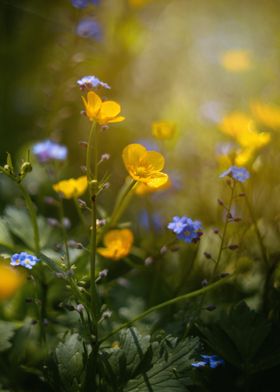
[[143, 189], [235, 123], [103, 112], [163, 130], [10, 281], [144, 166], [138, 3], [117, 243], [242, 128], [268, 115], [236, 60], [74, 187]]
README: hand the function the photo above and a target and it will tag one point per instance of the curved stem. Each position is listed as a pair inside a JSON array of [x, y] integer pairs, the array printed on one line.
[[64, 234], [168, 303]]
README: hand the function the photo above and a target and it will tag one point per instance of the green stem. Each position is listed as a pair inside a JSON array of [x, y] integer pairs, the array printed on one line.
[[79, 212], [224, 232], [64, 234], [122, 203], [92, 175], [168, 303], [255, 224]]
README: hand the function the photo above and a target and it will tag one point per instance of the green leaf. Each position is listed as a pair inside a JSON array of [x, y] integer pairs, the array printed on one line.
[[171, 368], [7, 331], [238, 336], [19, 224], [69, 358]]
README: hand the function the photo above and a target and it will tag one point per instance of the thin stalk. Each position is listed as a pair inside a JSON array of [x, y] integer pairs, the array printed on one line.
[[254, 221], [122, 204], [223, 238], [79, 212], [42, 286], [64, 234], [92, 175], [172, 301]]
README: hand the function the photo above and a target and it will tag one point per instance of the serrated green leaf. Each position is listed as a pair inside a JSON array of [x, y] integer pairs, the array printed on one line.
[[170, 372], [7, 331], [69, 358]]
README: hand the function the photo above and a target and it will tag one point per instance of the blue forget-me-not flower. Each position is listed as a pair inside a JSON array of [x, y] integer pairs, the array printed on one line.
[[48, 150], [213, 361], [24, 259], [237, 173], [185, 228], [88, 82]]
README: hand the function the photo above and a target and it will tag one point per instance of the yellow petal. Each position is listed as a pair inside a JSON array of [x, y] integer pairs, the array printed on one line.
[[153, 160], [132, 154], [109, 109], [157, 179], [92, 105], [117, 119], [81, 185], [163, 130]]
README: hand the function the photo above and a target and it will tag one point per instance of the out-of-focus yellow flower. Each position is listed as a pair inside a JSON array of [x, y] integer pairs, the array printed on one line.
[[144, 166], [72, 188], [236, 60], [138, 3], [243, 130], [163, 130], [268, 115], [143, 189], [10, 281], [103, 112], [235, 123], [117, 243]]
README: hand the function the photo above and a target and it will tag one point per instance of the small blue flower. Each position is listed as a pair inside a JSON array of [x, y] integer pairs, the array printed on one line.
[[89, 82], [213, 361], [24, 259], [185, 228], [89, 28], [48, 150], [238, 173], [80, 3], [84, 3]]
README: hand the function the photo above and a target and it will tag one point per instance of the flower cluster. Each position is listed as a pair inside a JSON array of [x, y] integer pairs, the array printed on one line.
[[213, 361], [117, 243], [91, 82], [186, 229], [239, 174], [24, 259], [47, 150]]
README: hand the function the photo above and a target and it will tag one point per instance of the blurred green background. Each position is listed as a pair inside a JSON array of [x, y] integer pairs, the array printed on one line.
[[162, 59]]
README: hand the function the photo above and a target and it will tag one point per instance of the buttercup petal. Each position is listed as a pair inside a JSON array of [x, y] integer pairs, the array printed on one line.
[[153, 160], [157, 179]]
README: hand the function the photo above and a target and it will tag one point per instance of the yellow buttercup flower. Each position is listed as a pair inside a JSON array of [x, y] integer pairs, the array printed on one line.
[[117, 243], [72, 188], [10, 281], [236, 60], [144, 166], [163, 130], [102, 112], [143, 189], [268, 115]]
